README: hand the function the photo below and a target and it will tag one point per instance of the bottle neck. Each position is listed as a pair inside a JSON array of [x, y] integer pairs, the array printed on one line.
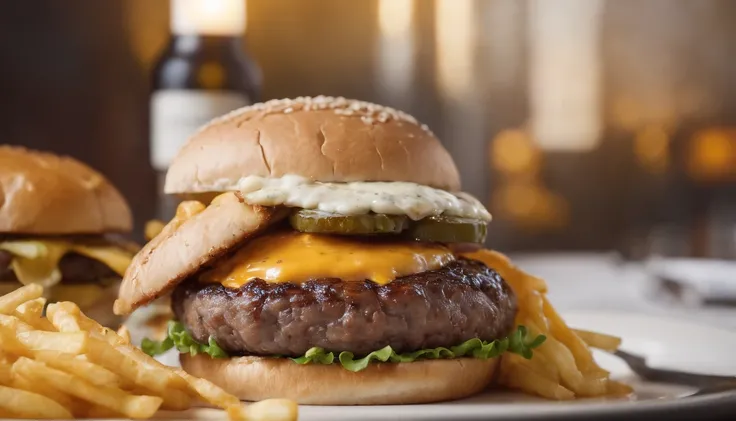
[[214, 44]]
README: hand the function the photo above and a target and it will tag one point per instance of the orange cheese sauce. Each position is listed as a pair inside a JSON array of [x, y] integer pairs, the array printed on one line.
[[298, 257]]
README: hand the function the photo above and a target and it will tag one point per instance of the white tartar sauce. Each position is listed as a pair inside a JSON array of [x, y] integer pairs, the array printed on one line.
[[356, 198]]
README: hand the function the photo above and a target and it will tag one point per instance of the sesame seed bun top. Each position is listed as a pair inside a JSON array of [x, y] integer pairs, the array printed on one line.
[[324, 139]]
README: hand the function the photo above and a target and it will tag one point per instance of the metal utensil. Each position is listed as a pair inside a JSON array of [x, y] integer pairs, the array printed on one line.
[[706, 382]]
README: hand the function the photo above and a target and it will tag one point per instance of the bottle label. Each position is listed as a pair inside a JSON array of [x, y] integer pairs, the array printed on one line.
[[177, 114]]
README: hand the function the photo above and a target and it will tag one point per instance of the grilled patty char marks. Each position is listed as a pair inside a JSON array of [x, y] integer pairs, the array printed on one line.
[[444, 307]]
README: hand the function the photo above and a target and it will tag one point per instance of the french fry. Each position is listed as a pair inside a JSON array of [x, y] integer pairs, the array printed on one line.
[[153, 228], [124, 334], [209, 392], [10, 301], [237, 413], [579, 349], [15, 324], [31, 313], [562, 358], [155, 366], [539, 364], [265, 410], [5, 366], [66, 342], [4, 414], [174, 400], [61, 317], [98, 412], [517, 279], [593, 385], [137, 407], [534, 310], [86, 370], [599, 340], [20, 382], [10, 344], [619, 389], [136, 373], [592, 382], [529, 381], [187, 209], [31, 405]]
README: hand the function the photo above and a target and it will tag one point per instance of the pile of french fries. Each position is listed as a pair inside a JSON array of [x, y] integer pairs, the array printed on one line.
[[563, 367], [57, 363]]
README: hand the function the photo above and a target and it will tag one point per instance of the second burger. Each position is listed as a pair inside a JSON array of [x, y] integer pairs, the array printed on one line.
[[60, 222]]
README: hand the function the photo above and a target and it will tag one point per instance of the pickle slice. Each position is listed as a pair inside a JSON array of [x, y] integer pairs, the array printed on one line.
[[448, 229], [331, 223]]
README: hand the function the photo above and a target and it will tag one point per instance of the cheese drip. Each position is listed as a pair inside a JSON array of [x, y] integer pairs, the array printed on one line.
[[297, 257], [37, 261]]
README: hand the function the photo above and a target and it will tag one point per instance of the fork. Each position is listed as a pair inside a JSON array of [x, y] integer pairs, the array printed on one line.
[[706, 383]]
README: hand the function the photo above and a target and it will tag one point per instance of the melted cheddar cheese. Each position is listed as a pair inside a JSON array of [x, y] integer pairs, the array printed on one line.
[[297, 257], [37, 261]]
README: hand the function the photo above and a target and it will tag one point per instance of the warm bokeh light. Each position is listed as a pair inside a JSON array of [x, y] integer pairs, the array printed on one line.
[[514, 153], [211, 17], [395, 17], [632, 113], [564, 73], [455, 46], [712, 154], [531, 205], [652, 148], [395, 61]]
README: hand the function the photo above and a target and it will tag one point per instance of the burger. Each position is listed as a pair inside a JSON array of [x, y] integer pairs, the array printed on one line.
[[318, 256], [60, 226]]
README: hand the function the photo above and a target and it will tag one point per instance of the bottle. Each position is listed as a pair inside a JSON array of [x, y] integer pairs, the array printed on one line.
[[204, 72]]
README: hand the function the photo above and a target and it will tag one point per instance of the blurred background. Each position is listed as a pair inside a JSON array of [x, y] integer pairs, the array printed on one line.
[[584, 125]]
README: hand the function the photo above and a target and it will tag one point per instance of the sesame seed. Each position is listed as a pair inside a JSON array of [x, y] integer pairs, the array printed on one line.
[[368, 112]]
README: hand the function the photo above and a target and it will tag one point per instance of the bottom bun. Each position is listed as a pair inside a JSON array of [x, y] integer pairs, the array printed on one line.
[[258, 378]]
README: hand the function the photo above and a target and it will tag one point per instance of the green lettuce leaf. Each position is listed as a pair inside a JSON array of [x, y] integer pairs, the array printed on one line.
[[315, 355], [519, 342], [178, 337]]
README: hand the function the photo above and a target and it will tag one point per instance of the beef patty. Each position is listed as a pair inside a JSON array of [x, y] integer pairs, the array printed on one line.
[[74, 268], [444, 307]]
